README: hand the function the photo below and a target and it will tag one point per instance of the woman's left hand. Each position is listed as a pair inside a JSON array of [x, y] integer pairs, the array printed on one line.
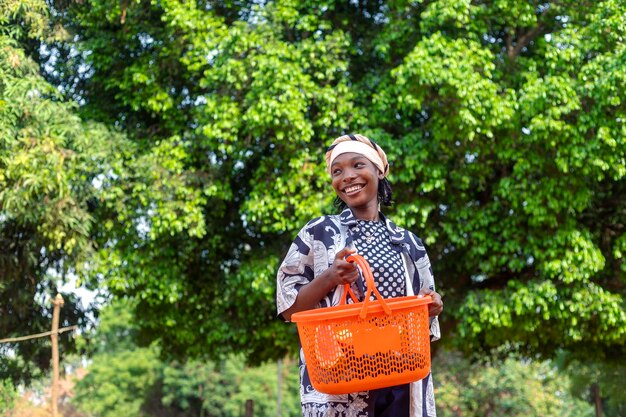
[[436, 307]]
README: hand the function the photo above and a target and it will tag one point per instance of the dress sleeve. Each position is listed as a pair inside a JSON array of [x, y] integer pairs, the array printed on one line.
[[428, 281], [295, 271]]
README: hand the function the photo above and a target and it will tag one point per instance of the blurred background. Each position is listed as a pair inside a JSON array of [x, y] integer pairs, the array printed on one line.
[[158, 157]]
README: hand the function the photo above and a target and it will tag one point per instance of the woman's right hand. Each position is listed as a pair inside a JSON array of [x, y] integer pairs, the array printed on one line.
[[341, 271]]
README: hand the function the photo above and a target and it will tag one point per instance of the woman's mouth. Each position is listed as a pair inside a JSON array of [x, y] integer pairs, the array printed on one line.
[[353, 189]]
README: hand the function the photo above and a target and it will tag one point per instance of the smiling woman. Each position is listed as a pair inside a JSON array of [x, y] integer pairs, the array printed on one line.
[[361, 151], [355, 180], [314, 271]]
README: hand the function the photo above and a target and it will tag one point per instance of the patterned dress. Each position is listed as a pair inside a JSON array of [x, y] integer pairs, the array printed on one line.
[[400, 267]]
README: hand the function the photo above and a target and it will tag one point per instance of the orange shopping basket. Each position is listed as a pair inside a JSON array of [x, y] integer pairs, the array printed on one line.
[[366, 345]]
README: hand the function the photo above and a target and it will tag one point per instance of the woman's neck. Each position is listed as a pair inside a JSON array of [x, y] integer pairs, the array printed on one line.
[[366, 213]]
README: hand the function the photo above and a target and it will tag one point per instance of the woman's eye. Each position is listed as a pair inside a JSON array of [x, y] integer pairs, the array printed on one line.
[[359, 165], [336, 171]]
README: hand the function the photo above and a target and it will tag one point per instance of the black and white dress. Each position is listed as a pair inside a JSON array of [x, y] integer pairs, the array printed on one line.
[[400, 267]]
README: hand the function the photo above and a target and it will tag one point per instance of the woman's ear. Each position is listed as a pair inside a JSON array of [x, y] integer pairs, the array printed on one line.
[[380, 175]]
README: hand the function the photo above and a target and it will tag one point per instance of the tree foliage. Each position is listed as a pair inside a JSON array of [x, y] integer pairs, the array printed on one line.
[[66, 182], [511, 388], [220, 130], [504, 123], [50, 160], [597, 377], [532, 169], [8, 395], [125, 379]]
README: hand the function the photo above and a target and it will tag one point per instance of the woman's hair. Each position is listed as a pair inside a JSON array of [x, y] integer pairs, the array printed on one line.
[[385, 195]]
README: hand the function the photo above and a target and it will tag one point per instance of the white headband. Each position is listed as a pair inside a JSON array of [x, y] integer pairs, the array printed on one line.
[[355, 146]]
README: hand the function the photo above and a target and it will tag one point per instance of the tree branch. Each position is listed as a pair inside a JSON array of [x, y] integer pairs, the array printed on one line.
[[526, 38]]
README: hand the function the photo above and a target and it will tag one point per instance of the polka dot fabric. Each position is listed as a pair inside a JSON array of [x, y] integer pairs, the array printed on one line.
[[373, 243]]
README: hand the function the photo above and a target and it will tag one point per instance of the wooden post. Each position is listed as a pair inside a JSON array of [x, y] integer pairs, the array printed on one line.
[[249, 408], [58, 303]]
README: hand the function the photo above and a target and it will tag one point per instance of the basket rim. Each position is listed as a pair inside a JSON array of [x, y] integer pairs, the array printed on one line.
[[353, 310]]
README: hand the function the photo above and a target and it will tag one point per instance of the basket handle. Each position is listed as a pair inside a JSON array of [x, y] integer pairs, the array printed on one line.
[[347, 290], [371, 285]]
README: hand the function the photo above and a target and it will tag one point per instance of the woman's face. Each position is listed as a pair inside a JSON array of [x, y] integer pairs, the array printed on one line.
[[355, 180]]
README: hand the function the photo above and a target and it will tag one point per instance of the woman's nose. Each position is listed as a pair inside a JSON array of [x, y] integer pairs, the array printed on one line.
[[348, 175]]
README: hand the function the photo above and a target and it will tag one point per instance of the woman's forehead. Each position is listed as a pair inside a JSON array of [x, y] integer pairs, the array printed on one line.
[[349, 157]]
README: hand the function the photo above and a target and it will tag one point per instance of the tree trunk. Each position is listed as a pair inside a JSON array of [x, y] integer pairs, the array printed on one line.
[[249, 408], [595, 394]]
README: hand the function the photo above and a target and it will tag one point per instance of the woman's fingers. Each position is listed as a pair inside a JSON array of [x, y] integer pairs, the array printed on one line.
[[345, 271], [436, 307], [348, 272], [344, 252], [350, 277]]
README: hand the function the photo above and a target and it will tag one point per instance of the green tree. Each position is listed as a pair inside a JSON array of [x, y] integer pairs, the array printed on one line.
[[8, 395], [598, 382], [210, 278], [64, 182], [124, 379], [222, 388], [120, 374], [504, 122], [118, 384], [511, 388], [50, 160], [523, 106]]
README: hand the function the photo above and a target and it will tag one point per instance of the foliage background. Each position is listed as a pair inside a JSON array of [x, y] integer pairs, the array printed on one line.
[[168, 151]]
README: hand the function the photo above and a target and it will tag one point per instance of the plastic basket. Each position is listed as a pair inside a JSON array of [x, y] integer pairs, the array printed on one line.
[[366, 345]]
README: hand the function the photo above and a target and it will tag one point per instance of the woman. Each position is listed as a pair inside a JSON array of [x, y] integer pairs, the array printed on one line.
[[314, 271]]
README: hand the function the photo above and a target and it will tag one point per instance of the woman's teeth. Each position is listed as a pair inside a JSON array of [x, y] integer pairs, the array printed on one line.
[[353, 188]]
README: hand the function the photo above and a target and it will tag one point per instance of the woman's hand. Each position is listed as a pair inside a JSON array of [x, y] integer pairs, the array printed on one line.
[[342, 272], [436, 307]]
